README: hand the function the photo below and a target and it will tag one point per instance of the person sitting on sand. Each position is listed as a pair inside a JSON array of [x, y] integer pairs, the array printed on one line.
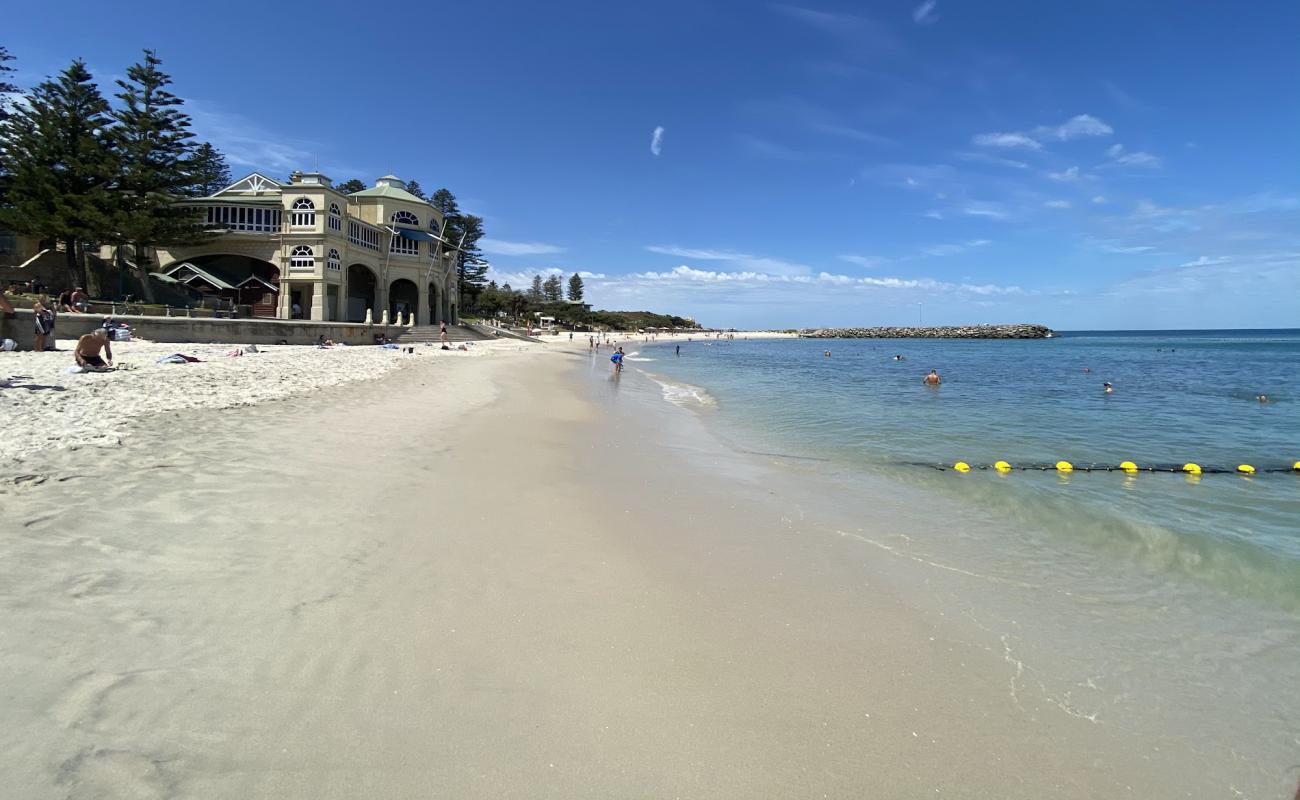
[[321, 341], [933, 378], [80, 300], [88, 348]]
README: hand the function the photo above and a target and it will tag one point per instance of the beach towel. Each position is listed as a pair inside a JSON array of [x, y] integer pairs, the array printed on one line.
[[177, 358]]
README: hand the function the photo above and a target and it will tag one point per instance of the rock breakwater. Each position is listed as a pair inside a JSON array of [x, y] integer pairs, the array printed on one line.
[[1020, 331]]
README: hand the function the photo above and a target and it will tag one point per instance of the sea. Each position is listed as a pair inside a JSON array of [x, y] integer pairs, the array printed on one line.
[[1178, 398], [1159, 605]]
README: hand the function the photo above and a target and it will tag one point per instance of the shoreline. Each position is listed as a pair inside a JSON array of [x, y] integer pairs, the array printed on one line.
[[507, 577]]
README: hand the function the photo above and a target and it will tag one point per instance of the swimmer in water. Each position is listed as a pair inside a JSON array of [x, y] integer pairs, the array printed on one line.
[[1107, 388], [1263, 399], [1087, 370], [827, 354], [899, 358], [933, 378]]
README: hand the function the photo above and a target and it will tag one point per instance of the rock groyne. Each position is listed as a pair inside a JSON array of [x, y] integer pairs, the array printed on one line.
[[1021, 331]]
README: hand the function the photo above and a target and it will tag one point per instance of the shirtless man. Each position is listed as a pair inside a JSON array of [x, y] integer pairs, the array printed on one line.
[[87, 352], [933, 378]]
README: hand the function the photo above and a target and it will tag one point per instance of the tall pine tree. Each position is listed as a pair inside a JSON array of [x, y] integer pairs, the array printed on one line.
[[553, 289], [209, 173], [575, 288], [351, 186], [462, 231], [156, 150], [59, 155], [414, 188]]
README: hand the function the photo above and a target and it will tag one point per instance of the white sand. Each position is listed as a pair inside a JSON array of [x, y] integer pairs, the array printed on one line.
[[42, 407]]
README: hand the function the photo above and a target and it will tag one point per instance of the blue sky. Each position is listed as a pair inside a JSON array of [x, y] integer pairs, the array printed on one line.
[[1085, 165]]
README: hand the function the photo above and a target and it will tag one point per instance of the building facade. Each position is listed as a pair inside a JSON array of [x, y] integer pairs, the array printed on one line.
[[303, 249]]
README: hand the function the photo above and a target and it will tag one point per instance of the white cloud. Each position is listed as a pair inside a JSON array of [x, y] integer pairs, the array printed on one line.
[[933, 214], [500, 247], [247, 146], [985, 158], [657, 140], [1067, 176], [1057, 204], [1007, 140], [989, 210], [771, 266], [1075, 127], [924, 13], [1099, 200], [689, 275], [1120, 157], [868, 262], [1206, 262]]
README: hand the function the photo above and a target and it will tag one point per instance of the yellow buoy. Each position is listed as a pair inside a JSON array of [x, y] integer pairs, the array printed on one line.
[[1192, 469], [961, 466], [1128, 466], [1064, 466], [1245, 469], [1001, 466], [1295, 467]]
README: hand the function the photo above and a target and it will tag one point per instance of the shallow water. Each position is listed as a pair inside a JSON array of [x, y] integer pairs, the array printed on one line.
[[1179, 397]]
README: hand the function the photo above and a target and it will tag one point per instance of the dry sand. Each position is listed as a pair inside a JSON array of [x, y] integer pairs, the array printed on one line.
[[43, 407], [462, 581]]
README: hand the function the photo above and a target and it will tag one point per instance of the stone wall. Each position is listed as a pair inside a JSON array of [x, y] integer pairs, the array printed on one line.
[[1021, 331], [21, 325]]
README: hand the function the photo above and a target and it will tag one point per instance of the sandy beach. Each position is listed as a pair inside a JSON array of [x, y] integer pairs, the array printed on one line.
[[50, 409], [491, 577]]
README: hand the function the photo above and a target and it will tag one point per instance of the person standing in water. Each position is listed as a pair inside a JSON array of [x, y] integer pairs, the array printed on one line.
[[679, 349], [933, 378], [617, 358]]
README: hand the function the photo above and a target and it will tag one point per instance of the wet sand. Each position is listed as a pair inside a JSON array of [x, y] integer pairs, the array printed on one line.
[[484, 579]]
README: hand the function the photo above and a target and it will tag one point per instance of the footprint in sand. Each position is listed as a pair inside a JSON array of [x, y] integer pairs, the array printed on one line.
[[91, 584], [97, 773]]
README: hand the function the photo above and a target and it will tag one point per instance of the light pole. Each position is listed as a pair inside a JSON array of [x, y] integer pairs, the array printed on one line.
[[919, 323]]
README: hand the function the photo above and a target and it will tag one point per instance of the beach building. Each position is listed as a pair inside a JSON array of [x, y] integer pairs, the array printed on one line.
[[303, 249]]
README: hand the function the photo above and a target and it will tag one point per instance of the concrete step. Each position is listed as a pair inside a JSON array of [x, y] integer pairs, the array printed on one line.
[[431, 333]]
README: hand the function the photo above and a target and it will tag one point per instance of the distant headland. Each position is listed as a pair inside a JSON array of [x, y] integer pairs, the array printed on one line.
[[1020, 331]]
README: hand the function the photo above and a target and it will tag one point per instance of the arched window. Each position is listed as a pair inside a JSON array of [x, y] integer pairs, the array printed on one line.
[[302, 258], [336, 217], [304, 213], [433, 225], [405, 218], [333, 260]]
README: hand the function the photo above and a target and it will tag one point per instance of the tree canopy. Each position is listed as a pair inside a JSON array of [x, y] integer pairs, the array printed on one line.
[[351, 186]]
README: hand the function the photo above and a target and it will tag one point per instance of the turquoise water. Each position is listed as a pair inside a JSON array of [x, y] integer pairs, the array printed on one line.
[[1179, 397]]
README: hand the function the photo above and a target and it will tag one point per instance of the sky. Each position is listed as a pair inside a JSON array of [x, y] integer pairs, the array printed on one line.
[[1098, 165]]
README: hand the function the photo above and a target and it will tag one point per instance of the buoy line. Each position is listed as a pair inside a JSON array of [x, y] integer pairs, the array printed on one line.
[[1127, 467]]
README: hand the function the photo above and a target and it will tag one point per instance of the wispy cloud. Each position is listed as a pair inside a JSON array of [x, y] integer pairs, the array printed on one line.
[[924, 13], [1203, 261], [1099, 200], [849, 132], [246, 145], [746, 261], [866, 262], [1058, 204], [500, 247], [986, 158], [1076, 127], [1123, 158], [762, 148], [1065, 176], [865, 34], [700, 277], [938, 250], [657, 140], [986, 209], [1023, 140]]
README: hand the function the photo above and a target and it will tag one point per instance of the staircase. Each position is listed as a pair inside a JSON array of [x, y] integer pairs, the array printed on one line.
[[421, 334]]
